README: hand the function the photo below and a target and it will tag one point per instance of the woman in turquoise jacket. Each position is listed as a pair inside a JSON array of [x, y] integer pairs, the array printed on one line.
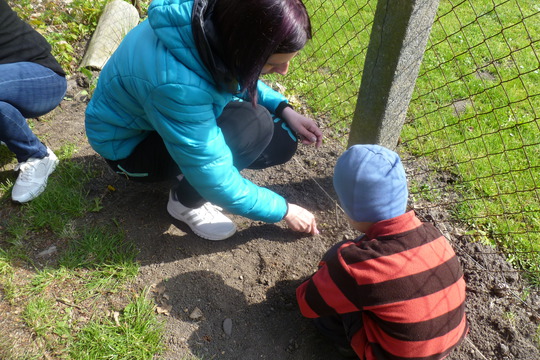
[[180, 98]]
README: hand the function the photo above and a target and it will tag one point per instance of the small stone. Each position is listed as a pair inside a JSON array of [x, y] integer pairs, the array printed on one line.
[[227, 326], [500, 290], [47, 252], [196, 314]]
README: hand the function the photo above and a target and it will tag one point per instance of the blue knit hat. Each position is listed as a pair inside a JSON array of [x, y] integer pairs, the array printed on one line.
[[370, 183]]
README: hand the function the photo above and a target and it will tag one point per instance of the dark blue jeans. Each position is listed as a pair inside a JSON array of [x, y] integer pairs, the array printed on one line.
[[27, 90]]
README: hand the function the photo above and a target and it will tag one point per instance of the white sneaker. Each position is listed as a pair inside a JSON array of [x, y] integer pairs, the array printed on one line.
[[206, 221], [33, 175]]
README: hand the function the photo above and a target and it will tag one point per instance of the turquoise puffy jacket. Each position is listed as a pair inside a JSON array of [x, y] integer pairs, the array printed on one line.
[[156, 81]]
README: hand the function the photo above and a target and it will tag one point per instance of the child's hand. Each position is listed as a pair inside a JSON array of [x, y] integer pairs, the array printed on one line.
[[299, 219]]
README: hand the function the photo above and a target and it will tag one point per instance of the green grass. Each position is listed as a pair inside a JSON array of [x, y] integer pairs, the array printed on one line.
[[7, 273], [134, 334], [90, 269], [64, 200], [487, 55], [41, 315], [483, 53], [66, 305], [106, 257]]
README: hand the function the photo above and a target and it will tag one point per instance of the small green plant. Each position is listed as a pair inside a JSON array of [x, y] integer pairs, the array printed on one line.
[[10, 255], [73, 22], [108, 260], [40, 315], [133, 333], [511, 318], [5, 186], [45, 279], [6, 275], [427, 192], [92, 81], [525, 293]]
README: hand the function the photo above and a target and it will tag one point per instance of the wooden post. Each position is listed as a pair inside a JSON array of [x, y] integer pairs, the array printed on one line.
[[398, 40]]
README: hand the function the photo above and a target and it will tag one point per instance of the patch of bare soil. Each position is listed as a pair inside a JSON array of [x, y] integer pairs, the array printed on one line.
[[235, 299]]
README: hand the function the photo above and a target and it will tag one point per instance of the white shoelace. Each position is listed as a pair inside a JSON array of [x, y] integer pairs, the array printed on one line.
[[26, 170], [212, 210]]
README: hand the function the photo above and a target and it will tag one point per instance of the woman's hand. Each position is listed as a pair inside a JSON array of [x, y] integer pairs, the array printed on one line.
[[305, 128], [299, 219]]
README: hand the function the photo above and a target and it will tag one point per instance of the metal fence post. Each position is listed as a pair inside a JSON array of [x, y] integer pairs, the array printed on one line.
[[398, 39]]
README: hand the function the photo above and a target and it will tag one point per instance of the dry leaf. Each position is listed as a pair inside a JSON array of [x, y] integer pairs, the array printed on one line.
[[116, 317], [164, 310]]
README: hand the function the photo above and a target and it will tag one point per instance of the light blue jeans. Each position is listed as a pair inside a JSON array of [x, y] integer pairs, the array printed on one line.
[[26, 90]]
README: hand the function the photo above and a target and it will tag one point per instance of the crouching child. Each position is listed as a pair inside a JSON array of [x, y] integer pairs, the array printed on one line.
[[397, 292]]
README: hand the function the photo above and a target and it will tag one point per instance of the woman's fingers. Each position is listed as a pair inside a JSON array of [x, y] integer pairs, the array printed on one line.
[[301, 220]]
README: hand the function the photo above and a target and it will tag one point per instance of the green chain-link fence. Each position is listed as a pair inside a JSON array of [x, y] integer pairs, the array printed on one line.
[[474, 112]]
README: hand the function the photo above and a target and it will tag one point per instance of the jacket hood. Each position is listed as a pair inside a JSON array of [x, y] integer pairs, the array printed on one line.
[[209, 45], [171, 22], [186, 30]]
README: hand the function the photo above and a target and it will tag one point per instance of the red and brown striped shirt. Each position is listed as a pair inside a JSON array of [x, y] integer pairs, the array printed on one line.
[[406, 280]]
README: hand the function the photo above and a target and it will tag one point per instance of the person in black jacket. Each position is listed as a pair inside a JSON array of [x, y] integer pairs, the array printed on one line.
[[32, 83]]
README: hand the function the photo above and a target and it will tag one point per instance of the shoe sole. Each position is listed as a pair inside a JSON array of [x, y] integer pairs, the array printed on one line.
[[197, 232]]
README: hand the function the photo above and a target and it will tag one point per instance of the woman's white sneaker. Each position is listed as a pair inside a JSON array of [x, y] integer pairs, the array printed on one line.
[[33, 175], [206, 221]]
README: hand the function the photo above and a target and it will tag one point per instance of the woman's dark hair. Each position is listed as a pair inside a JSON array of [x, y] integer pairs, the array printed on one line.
[[251, 31]]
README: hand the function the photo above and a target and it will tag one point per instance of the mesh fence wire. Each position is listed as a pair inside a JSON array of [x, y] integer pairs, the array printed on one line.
[[474, 112]]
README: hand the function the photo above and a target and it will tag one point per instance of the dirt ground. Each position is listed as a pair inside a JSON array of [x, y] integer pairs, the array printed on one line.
[[234, 299]]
